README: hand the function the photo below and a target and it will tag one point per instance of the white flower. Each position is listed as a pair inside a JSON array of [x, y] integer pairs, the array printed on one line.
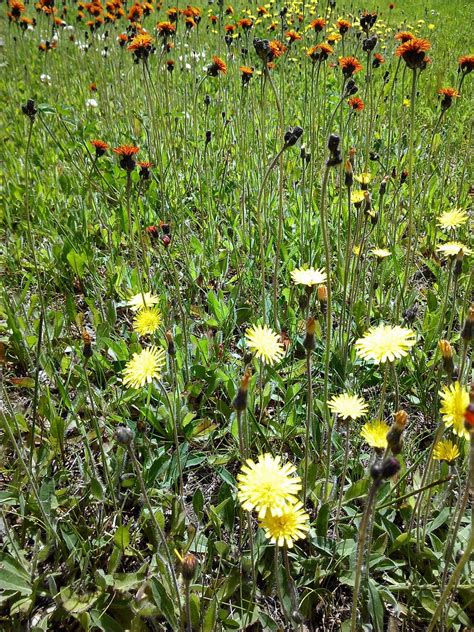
[[91, 103], [45, 79]]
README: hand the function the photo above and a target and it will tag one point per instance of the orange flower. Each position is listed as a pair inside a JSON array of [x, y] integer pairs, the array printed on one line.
[[217, 66], [122, 39], [448, 95], [343, 26], [320, 52], [466, 63], [356, 104], [245, 23], [262, 11], [247, 74], [100, 147], [190, 23], [333, 38], [413, 52], [141, 45], [378, 60], [173, 14], [349, 65], [127, 155], [135, 13], [229, 28], [404, 36], [293, 36], [229, 10], [277, 49], [17, 8], [318, 24], [213, 19], [165, 29]]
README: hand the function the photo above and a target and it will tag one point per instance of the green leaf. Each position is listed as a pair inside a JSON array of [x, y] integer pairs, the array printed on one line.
[[163, 602], [13, 577], [122, 537], [209, 622]]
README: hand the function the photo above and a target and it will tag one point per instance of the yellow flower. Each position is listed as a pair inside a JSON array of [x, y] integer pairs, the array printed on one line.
[[265, 343], [455, 400], [147, 321], [445, 450], [356, 250], [292, 525], [357, 196], [348, 406], [406, 103], [451, 248], [380, 253], [267, 486], [309, 276], [375, 433], [139, 301], [452, 219], [364, 178], [144, 367], [384, 343]]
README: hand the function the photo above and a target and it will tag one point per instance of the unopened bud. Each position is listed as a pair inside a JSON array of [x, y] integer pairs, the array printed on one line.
[[240, 401], [458, 265], [189, 566], [87, 340], [467, 333], [348, 174], [447, 355], [308, 343], [394, 435], [390, 467], [124, 436], [170, 341]]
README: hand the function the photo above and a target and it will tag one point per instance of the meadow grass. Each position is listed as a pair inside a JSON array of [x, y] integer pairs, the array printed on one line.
[[271, 264]]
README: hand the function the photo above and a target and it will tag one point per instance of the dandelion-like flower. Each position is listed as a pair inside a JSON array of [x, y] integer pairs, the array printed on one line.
[[452, 248], [267, 486], [291, 525], [357, 196], [139, 301], [147, 321], [349, 65], [265, 343], [445, 450], [452, 219], [144, 367], [380, 253], [348, 406], [385, 343], [364, 178], [218, 66], [454, 401], [308, 276], [413, 52], [375, 434], [356, 104]]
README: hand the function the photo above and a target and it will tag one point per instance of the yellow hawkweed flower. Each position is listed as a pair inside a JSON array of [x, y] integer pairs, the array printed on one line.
[[384, 343], [452, 219], [144, 367], [445, 450], [364, 178], [455, 400], [452, 248], [380, 253], [139, 301], [357, 196], [267, 486], [265, 343], [292, 525], [147, 321], [348, 406], [309, 276], [375, 434]]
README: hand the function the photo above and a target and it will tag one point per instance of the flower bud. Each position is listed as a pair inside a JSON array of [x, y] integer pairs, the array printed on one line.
[[467, 333], [308, 343], [322, 294], [447, 355], [394, 435], [189, 566], [348, 174], [170, 341], [240, 401], [124, 436], [390, 467], [87, 340]]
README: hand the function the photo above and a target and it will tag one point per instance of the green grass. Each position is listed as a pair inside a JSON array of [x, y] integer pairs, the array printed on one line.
[[81, 549]]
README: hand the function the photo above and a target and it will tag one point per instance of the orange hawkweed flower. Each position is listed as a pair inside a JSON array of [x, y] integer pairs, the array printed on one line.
[[135, 13], [356, 104], [262, 11], [333, 38], [247, 74], [404, 36], [16, 9], [141, 45], [229, 10], [213, 19], [122, 39], [320, 52], [413, 52], [343, 26], [165, 29], [277, 49], [318, 24], [245, 23], [448, 95], [378, 60], [293, 36], [466, 63], [349, 65], [229, 28], [217, 66], [100, 147], [190, 23], [173, 14], [127, 155]]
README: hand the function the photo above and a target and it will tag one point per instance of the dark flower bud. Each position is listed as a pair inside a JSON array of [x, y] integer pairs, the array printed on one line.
[[390, 467], [189, 566], [467, 333], [166, 240], [293, 135], [403, 176], [351, 88], [369, 43], [333, 143], [373, 155], [376, 471], [30, 109], [208, 136], [240, 401], [383, 186], [124, 435], [170, 341], [458, 265], [207, 100], [386, 76], [410, 314], [348, 174], [308, 343], [87, 340], [165, 227]]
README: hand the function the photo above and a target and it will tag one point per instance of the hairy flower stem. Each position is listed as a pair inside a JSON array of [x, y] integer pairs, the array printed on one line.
[[410, 194], [130, 232], [451, 585], [187, 601], [327, 351], [159, 534], [343, 475], [309, 415], [363, 532]]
